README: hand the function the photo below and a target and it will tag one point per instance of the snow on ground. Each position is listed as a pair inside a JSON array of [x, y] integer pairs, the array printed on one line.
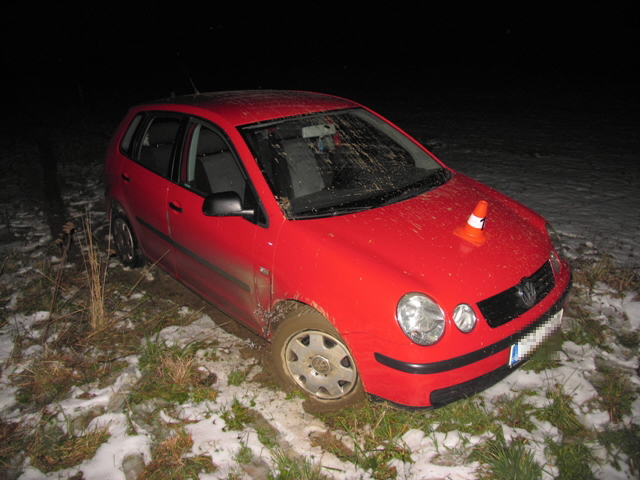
[[588, 194]]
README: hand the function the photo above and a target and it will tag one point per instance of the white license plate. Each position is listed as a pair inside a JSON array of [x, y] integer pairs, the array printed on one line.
[[528, 344]]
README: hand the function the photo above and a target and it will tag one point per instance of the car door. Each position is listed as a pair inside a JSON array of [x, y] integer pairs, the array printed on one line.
[[217, 256], [145, 182]]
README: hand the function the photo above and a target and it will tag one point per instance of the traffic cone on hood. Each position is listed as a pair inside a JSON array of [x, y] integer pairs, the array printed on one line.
[[473, 230]]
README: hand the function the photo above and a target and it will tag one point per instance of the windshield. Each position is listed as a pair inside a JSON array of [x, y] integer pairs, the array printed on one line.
[[339, 162]]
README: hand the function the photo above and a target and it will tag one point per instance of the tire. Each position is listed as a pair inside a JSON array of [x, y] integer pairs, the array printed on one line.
[[125, 242], [308, 353]]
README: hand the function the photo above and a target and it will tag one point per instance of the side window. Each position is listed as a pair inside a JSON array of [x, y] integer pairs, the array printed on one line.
[[126, 145], [158, 143], [211, 167]]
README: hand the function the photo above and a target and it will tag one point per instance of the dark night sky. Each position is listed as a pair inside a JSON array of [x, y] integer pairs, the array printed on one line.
[[128, 52]]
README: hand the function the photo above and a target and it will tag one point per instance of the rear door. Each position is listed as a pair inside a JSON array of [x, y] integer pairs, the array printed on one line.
[[145, 181], [217, 256]]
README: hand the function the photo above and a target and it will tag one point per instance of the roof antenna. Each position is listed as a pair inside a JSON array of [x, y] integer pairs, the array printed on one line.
[[193, 85]]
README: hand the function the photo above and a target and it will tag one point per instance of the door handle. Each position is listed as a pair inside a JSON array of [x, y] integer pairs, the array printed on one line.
[[126, 177], [175, 206]]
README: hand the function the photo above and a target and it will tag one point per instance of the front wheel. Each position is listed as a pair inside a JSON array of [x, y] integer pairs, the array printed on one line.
[[126, 244], [308, 353]]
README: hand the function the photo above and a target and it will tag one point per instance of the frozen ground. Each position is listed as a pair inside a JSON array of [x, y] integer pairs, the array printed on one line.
[[576, 166]]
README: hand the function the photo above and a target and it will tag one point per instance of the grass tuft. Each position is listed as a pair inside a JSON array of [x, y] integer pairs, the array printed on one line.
[[171, 374], [96, 271], [375, 430], [236, 416], [515, 411], [469, 416], [176, 369], [13, 440], [581, 328], [573, 459], [294, 469], [507, 462], [244, 455], [629, 340], [46, 379], [620, 442], [237, 377], [172, 459], [561, 414], [52, 451], [616, 393], [605, 270]]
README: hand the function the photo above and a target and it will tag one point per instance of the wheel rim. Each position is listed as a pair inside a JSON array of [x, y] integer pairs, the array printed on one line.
[[124, 240], [320, 364]]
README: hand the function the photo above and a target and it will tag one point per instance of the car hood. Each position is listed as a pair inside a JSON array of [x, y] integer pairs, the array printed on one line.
[[414, 239]]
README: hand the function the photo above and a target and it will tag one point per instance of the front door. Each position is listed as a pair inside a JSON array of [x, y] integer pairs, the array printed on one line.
[[217, 256]]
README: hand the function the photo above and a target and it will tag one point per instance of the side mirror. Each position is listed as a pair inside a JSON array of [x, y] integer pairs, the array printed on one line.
[[225, 204]]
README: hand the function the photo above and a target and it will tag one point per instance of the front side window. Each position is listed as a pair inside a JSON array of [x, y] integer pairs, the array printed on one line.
[[339, 162], [211, 166]]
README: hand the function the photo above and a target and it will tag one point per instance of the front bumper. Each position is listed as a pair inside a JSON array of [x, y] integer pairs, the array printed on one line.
[[467, 388]]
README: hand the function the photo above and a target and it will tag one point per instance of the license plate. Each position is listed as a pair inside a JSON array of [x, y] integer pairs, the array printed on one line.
[[525, 346]]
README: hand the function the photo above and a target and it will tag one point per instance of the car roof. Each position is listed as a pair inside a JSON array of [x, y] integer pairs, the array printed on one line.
[[250, 106]]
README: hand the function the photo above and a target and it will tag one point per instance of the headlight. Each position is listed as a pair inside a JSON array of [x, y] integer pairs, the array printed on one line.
[[464, 317], [420, 318], [556, 256]]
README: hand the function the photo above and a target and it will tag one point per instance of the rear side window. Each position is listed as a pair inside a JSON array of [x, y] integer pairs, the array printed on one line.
[[158, 143], [126, 145]]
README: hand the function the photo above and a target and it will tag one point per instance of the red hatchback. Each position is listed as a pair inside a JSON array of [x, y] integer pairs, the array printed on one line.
[[369, 265]]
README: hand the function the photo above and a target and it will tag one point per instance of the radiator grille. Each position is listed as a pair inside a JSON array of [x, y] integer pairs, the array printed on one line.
[[507, 305]]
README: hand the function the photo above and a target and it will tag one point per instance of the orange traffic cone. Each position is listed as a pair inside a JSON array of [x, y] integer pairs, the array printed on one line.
[[473, 230]]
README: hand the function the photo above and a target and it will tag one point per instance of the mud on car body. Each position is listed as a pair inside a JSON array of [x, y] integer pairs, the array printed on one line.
[[370, 266]]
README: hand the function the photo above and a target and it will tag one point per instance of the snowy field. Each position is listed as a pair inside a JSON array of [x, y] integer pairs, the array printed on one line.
[[578, 167]]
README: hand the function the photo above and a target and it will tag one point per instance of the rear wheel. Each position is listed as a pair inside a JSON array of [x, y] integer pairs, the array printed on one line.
[[308, 353], [126, 244]]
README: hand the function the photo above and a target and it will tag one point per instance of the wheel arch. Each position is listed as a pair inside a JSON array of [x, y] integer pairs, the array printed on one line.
[[283, 308], [114, 208]]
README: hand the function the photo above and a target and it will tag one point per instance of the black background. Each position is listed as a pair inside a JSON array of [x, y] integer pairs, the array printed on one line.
[[110, 55]]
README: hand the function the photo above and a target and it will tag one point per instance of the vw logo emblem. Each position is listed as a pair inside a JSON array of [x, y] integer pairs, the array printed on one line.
[[527, 292]]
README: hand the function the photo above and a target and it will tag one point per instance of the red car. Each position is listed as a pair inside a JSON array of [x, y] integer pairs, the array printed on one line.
[[370, 266]]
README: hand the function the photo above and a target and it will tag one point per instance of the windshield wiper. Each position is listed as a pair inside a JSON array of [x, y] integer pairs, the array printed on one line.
[[432, 181], [384, 198], [333, 211]]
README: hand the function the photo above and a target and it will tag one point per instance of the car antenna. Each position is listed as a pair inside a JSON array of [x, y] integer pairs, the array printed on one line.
[[188, 75]]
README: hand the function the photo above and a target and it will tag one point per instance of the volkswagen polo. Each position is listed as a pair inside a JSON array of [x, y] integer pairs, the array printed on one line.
[[370, 266]]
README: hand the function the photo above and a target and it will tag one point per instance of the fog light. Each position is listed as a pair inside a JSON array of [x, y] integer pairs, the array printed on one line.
[[464, 317]]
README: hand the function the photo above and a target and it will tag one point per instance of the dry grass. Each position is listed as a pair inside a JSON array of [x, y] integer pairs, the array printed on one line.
[[605, 270], [12, 442], [46, 379], [50, 452], [171, 459], [96, 273], [177, 370], [615, 390]]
